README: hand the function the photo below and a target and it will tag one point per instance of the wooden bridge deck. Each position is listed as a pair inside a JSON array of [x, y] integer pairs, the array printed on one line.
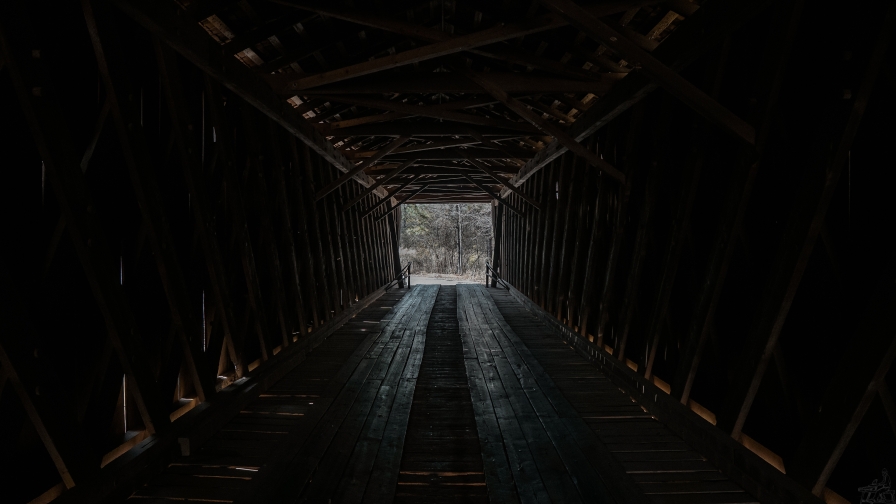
[[443, 394]]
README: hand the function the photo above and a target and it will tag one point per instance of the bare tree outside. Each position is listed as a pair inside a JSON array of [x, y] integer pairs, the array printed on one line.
[[454, 239]]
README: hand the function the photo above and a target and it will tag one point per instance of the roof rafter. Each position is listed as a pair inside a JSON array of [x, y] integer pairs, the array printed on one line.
[[498, 33], [670, 80], [439, 82], [486, 190], [705, 29], [426, 111], [332, 186], [488, 171], [504, 53], [549, 128], [403, 201], [389, 176], [193, 44]]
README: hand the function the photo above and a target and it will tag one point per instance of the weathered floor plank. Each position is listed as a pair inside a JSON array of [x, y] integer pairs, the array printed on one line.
[[393, 368], [662, 467], [444, 394], [384, 478], [549, 432], [228, 466], [504, 435], [441, 461]]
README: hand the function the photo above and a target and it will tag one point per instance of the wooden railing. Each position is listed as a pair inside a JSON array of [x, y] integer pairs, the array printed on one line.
[[491, 273], [399, 279]]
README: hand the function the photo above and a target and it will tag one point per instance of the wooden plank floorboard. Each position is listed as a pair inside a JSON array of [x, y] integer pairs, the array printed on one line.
[[388, 363], [557, 477], [493, 401], [381, 484], [443, 394], [660, 463], [597, 477], [496, 463], [441, 459], [227, 467]]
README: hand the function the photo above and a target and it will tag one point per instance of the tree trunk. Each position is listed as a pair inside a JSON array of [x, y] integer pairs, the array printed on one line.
[[459, 249]]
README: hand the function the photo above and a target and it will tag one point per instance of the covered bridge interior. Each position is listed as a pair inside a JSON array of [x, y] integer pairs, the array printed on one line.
[[680, 307]]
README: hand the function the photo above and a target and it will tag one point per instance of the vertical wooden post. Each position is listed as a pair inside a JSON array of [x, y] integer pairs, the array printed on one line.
[[746, 166], [387, 247], [550, 204], [342, 195], [360, 243], [574, 194], [315, 238], [510, 239], [537, 234], [587, 243], [516, 244], [561, 193], [258, 191], [634, 276], [619, 225], [237, 209], [281, 202], [133, 144], [531, 188], [658, 141], [499, 240], [357, 243], [598, 228], [370, 242], [396, 259], [525, 226], [510, 260], [334, 235], [520, 244], [507, 257], [335, 203], [584, 221], [308, 268], [458, 235], [377, 240], [54, 142], [537, 229], [202, 213], [681, 221], [803, 226], [504, 258], [316, 173], [680, 225]]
